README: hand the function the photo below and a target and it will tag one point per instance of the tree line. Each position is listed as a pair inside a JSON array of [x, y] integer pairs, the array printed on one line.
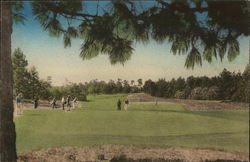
[[28, 82], [226, 86], [81, 90]]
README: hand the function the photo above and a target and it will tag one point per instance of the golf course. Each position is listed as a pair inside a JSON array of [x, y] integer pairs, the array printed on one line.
[[161, 125]]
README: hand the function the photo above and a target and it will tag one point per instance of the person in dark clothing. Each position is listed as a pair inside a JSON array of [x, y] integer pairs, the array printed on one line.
[[18, 104], [53, 103], [119, 103], [68, 100], [36, 102]]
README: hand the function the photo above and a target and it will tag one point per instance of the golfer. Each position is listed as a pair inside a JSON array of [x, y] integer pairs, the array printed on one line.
[[126, 105], [18, 104]]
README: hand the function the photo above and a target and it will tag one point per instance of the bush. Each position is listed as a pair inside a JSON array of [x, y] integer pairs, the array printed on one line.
[[196, 93], [205, 93], [180, 95], [213, 93]]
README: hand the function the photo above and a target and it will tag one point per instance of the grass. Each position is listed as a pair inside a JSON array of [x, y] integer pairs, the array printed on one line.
[[98, 122]]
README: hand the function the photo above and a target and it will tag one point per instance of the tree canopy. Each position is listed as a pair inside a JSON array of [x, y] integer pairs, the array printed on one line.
[[202, 30]]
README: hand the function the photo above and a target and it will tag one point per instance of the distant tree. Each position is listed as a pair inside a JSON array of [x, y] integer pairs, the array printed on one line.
[[44, 87], [58, 92], [140, 83], [119, 85], [180, 84], [226, 84], [95, 87], [187, 91], [241, 93], [79, 91], [191, 82], [110, 87], [126, 87], [34, 83], [162, 86], [132, 82], [214, 81], [205, 81]]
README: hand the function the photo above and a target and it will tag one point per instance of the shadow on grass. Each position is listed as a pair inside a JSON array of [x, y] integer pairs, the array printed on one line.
[[35, 115], [213, 114]]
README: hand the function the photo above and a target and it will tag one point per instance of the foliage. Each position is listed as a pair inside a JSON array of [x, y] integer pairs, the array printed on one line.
[[202, 29], [196, 93], [27, 81], [94, 87], [74, 90], [20, 72], [227, 86], [17, 16]]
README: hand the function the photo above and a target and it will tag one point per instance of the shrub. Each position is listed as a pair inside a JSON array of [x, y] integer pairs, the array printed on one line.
[[196, 93], [213, 93], [180, 95]]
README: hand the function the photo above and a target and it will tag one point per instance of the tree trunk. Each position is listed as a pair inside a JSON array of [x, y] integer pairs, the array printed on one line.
[[7, 126]]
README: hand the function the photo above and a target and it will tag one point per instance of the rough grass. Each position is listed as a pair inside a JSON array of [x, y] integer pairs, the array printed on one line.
[[98, 122]]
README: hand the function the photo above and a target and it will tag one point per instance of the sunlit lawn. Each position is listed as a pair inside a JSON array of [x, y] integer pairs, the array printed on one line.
[[98, 122]]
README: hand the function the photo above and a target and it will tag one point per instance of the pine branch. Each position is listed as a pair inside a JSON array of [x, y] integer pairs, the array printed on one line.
[[183, 8], [61, 11]]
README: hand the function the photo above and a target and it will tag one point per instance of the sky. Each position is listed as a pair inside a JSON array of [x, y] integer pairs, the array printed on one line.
[[151, 61]]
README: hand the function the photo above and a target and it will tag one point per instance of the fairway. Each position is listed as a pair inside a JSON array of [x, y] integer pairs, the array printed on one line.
[[98, 122]]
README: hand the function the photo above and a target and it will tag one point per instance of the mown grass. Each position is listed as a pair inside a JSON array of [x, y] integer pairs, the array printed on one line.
[[98, 122]]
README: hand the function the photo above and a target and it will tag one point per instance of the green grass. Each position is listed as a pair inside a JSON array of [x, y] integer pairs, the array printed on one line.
[[148, 125]]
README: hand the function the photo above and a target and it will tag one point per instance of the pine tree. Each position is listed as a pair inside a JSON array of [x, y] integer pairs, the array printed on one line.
[[34, 83], [20, 73]]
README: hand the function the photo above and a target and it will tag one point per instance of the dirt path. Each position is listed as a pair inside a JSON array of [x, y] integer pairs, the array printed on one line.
[[128, 153], [191, 104]]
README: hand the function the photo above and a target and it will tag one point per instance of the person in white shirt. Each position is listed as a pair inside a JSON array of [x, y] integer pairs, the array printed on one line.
[[63, 102], [74, 102]]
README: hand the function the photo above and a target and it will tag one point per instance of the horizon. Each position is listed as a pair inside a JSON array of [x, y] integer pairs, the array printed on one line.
[[149, 61]]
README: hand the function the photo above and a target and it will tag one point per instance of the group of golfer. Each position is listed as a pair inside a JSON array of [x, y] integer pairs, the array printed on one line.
[[67, 104]]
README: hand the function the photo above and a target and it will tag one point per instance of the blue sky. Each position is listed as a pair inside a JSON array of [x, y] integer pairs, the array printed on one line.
[[151, 61]]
